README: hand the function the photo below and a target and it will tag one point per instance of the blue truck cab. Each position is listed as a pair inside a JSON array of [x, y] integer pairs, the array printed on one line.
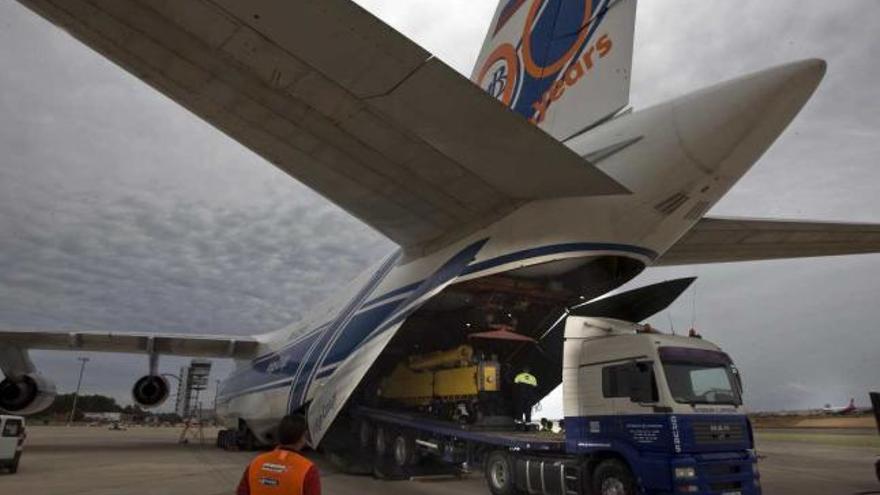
[[664, 411]]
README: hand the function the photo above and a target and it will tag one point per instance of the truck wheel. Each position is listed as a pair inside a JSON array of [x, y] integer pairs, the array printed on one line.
[[365, 435], [381, 442], [499, 473], [612, 477], [13, 468], [404, 450]]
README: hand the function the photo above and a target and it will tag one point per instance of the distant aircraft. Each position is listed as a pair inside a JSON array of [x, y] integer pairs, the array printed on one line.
[[841, 410], [523, 192]]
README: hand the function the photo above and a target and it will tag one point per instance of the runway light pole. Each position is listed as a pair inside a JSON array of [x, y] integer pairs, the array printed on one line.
[[82, 369]]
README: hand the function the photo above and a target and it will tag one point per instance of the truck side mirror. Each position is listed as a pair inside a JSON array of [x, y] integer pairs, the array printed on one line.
[[739, 382], [641, 382]]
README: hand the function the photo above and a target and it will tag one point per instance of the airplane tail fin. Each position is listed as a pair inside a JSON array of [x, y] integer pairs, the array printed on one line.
[[563, 64]]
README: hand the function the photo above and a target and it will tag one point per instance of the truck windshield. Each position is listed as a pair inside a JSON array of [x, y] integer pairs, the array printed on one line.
[[698, 376]]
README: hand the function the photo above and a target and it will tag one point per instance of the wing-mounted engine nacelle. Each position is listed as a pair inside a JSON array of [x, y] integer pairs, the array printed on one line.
[[150, 391], [27, 394]]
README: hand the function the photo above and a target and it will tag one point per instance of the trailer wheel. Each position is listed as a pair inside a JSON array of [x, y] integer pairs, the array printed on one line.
[[381, 442], [499, 473], [404, 450], [612, 477], [365, 434]]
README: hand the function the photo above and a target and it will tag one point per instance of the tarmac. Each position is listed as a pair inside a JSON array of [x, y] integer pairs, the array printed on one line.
[[149, 461]]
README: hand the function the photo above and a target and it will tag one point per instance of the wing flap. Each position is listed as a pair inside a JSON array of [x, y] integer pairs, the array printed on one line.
[[137, 343], [720, 240], [342, 102]]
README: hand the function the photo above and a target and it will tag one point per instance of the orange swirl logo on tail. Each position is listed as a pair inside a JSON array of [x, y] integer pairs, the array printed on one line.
[[552, 48], [498, 77], [573, 75]]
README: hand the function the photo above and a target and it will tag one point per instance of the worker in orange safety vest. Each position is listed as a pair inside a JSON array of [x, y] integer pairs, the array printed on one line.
[[283, 471]]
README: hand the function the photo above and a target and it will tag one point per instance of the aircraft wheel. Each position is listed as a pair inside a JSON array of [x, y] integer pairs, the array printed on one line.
[[226, 440], [246, 440], [404, 450]]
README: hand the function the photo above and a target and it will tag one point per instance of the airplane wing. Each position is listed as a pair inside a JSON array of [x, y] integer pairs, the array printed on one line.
[[214, 346], [342, 102], [720, 240]]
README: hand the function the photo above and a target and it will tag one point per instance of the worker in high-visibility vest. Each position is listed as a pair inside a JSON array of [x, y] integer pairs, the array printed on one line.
[[283, 471], [525, 391]]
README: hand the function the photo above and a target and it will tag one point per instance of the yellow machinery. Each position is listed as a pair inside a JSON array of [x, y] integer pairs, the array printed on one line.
[[447, 376]]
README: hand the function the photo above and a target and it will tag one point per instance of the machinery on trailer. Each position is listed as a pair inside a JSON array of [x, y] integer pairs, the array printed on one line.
[[456, 384], [645, 412]]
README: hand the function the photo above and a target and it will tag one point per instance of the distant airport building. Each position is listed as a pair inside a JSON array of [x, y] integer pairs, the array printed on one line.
[[193, 379]]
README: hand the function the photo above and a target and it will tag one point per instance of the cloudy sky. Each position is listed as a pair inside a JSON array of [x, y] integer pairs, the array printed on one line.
[[119, 210]]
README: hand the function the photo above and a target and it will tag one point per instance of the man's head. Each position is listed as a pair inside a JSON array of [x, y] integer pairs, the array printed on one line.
[[293, 431]]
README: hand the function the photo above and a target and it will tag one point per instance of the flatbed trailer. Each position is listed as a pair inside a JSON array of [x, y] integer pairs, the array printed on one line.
[[508, 457], [484, 436], [476, 434]]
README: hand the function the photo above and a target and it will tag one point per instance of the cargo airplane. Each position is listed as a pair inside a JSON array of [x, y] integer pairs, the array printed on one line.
[[529, 189]]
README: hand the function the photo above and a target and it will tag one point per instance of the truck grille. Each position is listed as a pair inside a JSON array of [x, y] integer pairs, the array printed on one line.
[[711, 432]]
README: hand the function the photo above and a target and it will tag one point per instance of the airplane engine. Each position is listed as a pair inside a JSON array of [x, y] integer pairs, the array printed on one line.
[[29, 394], [150, 391]]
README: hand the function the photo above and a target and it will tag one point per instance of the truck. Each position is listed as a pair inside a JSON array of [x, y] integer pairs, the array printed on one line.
[[644, 412]]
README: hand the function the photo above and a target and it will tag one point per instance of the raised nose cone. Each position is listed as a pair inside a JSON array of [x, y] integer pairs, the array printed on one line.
[[725, 128]]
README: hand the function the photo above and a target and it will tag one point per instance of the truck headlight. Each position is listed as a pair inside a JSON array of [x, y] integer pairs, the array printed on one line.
[[685, 473]]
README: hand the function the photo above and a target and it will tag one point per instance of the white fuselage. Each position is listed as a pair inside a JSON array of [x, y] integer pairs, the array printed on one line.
[[677, 159]]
